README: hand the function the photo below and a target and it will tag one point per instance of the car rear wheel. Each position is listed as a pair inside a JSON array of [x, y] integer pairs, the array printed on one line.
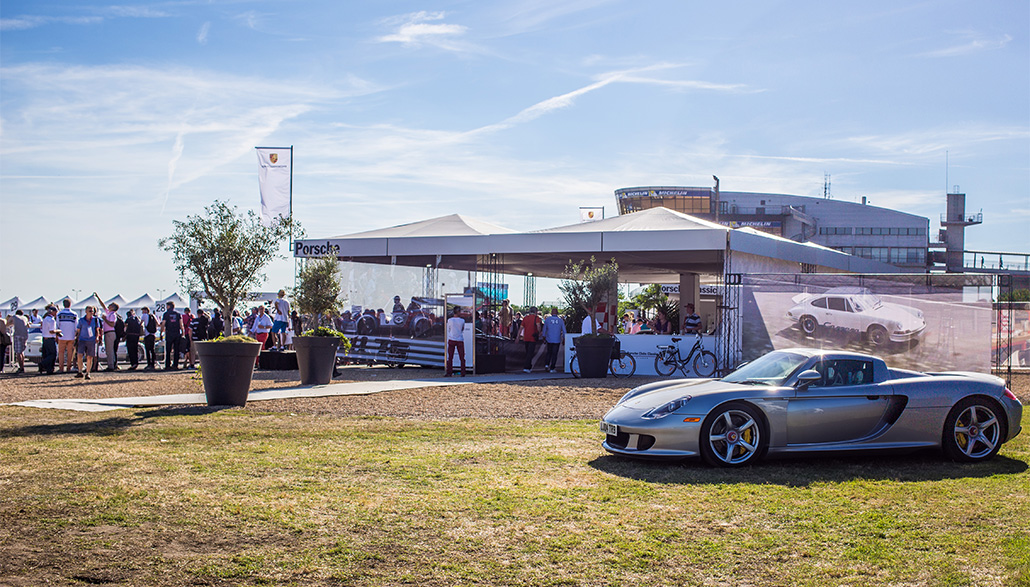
[[733, 435], [808, 324], [973, 431]]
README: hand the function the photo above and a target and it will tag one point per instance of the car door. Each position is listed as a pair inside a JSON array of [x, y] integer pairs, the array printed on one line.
[[845, 405]]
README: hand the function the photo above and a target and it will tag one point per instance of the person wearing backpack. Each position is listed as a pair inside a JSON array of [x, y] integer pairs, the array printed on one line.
[[133, 331], [149, 323]]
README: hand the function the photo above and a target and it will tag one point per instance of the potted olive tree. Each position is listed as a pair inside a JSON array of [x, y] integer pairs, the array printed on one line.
[[318, 294], [584, 285], [221, 253]]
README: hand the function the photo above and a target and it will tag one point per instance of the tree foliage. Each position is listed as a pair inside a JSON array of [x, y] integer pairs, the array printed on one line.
[[221, 253], [585, 284], [318, 289]]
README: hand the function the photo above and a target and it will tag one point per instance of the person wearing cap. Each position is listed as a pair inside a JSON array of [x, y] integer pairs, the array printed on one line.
[[109, 320], [50, 331]]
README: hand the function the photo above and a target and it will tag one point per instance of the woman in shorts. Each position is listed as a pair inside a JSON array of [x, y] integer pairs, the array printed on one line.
[[86, 341]]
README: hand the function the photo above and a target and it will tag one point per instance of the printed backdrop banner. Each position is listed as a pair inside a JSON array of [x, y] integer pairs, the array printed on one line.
[[274, 182]]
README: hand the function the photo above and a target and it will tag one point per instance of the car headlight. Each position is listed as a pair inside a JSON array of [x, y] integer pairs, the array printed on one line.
[[666, 409]]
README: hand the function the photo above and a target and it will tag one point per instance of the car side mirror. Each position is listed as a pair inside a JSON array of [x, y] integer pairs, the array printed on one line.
[[808, 377]]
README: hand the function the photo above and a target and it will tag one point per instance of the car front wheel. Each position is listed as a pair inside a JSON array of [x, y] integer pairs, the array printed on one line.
[[733, 435], [973, 431], [878, 335]]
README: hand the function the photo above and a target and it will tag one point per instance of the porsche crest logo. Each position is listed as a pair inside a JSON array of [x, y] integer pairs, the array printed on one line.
[[590, 214], [273, 157]]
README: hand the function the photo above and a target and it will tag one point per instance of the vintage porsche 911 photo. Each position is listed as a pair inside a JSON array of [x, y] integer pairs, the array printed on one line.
[[857, 310], [807, 400]]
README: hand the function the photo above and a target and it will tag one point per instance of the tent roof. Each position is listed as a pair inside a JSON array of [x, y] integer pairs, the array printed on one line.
[[655, 245], [645, 220], [36, 304], [143, 301], [451, 225], [86, 301], [179, 302], [5, 306], [118, 299]]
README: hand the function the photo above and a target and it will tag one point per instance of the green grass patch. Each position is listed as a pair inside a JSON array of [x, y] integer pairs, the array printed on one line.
[[171, 497]]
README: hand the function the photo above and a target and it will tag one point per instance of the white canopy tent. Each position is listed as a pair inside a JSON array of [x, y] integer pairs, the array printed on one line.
[[144, 300], [178, 301], [118, 299], [36, 304], [651, 246], [9, 306]]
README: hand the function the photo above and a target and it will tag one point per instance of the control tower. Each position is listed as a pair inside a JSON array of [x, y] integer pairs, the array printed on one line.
[[953, 230]]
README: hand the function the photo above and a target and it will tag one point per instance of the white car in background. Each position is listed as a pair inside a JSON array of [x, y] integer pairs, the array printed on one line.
[[856, 310], [34, 350]]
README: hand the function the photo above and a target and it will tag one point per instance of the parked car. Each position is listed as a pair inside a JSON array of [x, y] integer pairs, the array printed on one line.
[[857, 310], [806, 400], [34, 350]]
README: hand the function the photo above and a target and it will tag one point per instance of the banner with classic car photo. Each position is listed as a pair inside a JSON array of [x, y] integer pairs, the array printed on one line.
[[921, 322]]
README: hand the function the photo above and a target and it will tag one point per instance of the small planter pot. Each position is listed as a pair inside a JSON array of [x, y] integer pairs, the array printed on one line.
[[227, 369], [316, 357], [594, 354]]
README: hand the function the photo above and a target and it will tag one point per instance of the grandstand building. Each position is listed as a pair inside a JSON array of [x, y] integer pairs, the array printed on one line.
[[863, 230]]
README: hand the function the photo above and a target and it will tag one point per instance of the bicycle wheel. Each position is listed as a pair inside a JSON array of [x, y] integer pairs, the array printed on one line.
[[624, 366], [664, 364], [574, 366], [704, 364]]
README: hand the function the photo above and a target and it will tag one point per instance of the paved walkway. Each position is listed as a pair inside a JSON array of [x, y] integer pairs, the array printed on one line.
[[332, 389]]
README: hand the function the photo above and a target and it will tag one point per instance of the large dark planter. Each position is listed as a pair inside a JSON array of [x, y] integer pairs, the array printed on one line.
[[594, 354], [316, 357], [227, 368]]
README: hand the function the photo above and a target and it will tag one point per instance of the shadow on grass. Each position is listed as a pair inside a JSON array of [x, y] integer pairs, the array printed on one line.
[[801, 472], [107, 426]]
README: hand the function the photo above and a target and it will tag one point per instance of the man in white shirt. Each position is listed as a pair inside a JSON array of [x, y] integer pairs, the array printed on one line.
[[455, 341], [282, 320], [262, 324], [67, 320], [48, 354]]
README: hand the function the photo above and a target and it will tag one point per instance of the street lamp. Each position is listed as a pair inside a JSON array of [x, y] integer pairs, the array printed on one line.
[[160, 294], [76, 292]]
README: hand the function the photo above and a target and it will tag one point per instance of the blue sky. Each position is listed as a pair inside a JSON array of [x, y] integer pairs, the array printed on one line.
[[118, 119]]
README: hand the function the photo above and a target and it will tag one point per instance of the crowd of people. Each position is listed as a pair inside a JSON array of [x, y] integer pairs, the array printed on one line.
[[74, 344]]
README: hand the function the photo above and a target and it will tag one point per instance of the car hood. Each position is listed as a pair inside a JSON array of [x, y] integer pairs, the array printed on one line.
[[902, 314], [697, 388]]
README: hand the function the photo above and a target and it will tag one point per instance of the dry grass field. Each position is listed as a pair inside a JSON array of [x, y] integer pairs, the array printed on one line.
[[467, 485]]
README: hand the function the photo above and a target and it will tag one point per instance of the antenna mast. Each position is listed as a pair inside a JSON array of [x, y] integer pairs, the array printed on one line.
[[826, 186]]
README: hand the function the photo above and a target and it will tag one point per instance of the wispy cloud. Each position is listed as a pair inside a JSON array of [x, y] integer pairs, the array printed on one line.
[[203, 32], [422, 29], [21, 23], [970, 42], [934, 142]]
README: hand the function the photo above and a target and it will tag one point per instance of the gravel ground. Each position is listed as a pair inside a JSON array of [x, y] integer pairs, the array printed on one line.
[[548, 399]]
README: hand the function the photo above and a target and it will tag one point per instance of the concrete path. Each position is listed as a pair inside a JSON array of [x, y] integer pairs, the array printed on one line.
[[332, 389]]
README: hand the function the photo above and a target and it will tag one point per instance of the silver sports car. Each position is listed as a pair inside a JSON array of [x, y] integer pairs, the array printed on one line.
[[808, 400]]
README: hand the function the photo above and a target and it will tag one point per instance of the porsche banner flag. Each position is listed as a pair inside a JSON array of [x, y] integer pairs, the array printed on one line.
[[275, 181], [591, 214]]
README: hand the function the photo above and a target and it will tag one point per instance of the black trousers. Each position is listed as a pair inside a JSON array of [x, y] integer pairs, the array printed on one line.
[[172, 351], [132, 348], [48, 355], [552, 354], [530, 351], [148, 348]]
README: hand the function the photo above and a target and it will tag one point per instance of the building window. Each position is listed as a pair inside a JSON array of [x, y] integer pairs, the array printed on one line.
[[881, 254], [835, 230], [908, 256]]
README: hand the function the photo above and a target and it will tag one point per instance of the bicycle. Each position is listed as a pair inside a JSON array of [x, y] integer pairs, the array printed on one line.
[[624, 365], [668, 359]]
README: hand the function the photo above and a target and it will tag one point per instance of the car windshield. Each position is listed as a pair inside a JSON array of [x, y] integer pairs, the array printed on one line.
[[866, 302], [772, 369]]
